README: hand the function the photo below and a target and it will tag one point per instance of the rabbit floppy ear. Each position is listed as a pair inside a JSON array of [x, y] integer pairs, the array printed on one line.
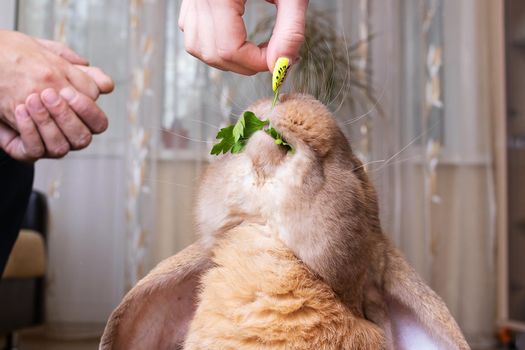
[[156, 313], [416, 317]]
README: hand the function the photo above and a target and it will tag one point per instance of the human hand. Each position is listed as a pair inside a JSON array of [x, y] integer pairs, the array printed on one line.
[[56, 123], [48, 125], [214, 32], [29, 66]]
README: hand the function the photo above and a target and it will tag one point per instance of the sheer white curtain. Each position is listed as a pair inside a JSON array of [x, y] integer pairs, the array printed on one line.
[[427, 139], [437, 183], [101, 199], [126, 202]]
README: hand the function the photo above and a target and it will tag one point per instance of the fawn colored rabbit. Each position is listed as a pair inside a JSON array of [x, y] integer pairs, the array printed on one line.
[[285, 231]]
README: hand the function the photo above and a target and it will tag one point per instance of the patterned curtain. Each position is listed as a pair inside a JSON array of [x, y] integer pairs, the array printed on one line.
[[413, 99], [102, 200], [433, 148]]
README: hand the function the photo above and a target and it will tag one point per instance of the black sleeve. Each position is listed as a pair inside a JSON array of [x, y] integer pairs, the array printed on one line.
[[16, 182]]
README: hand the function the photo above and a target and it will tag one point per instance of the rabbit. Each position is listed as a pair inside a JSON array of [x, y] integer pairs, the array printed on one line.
[[319, 203]]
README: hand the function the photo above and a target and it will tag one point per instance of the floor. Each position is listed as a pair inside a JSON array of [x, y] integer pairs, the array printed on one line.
[[29, 341], [32, 341], [50, 344]]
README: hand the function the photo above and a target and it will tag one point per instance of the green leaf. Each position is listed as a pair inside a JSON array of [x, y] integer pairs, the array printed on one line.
[[234, 137], [227, 142], [238, 148], [275, 98], [272, 132], [252, 124], [238, 129], [279, 139]]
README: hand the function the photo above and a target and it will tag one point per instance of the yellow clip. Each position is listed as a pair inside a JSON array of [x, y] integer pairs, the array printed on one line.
[[279, 72]]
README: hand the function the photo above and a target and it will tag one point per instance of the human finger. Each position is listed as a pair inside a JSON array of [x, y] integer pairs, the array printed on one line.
[[104, 82], [54, 141], [87, 110], [11, 143], [182, 14], [77, 134], [231, 39], [32, 144], [82, 82], [288, 33], [63, 51]]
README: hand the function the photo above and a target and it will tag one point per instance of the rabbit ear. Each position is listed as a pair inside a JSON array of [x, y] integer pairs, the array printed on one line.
[[416, 316], [156, 313]]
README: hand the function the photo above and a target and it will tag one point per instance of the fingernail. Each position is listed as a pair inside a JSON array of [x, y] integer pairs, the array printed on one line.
[[68, 94], [21, 112], [34, 103], [50, 97], [85, 140], [279, 72]]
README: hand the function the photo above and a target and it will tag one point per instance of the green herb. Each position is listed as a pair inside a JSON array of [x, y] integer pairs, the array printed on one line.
[[279, 139], [247, 125], [226, 134], [234, 137], [275, 98]]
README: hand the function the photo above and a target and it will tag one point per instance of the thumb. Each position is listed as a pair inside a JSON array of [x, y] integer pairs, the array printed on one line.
[[288, 34]]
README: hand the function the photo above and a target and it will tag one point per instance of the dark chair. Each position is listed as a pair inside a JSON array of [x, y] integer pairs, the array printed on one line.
[[22, 285]]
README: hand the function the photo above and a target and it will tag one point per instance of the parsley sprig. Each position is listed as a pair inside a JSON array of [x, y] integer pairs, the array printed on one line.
[[233, 138], [279, 139]]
